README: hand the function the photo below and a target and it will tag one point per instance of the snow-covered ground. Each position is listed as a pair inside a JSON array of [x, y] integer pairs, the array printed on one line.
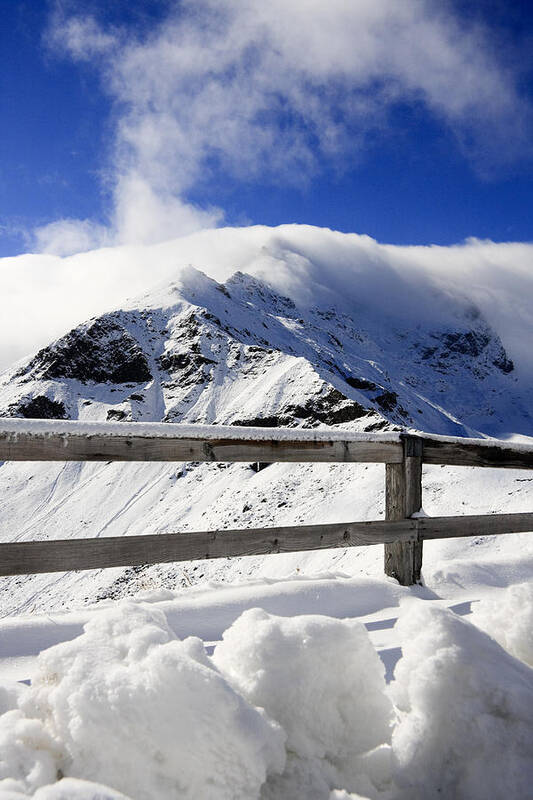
[[315, 687]]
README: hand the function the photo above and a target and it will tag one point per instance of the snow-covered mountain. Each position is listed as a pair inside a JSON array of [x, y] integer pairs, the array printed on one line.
[[243, 353], [240, 353]]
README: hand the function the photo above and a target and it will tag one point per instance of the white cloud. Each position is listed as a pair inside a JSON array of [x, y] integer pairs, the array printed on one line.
[[141, 215], [271, 90], [64, 237], [84, 38]]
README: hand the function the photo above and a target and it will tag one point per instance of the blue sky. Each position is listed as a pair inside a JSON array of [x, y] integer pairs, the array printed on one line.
[[409, 121]]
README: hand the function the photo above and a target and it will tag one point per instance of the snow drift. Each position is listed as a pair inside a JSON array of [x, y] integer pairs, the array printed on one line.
[[465, 706], [149, 714], [285, 708], [323, 682], [508, 617]]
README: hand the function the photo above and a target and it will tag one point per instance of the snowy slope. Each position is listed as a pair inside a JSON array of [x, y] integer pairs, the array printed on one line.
[[243, 353]]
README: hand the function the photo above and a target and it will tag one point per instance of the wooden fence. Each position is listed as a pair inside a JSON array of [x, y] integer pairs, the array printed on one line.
[[402, 454]]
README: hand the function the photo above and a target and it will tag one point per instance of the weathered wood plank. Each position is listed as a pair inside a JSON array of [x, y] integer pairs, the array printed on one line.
[[67, 440], [470, 454], [394, 491], [71, 447], [474, 525], [403, 496], [19, 558]]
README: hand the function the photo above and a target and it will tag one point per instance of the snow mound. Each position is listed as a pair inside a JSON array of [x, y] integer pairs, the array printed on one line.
[[323, 682], [69, 789], [28, 754], [466, 712], [9, 695], [508, 618], [141, 711], [287, 707]]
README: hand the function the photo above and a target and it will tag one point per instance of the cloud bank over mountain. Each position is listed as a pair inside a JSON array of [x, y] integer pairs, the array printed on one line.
[[45, 295]]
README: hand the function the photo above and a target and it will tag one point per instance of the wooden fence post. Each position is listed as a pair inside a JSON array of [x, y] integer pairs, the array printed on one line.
[[403, 497]]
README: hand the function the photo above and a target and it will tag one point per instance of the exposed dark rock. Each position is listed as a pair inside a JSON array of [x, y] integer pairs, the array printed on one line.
[[138, 397], [471, 343], [211, 317], [263, 422], [503, 363], [102, 351], [116, 415], [41, 408], [360, 383], [333, 408], [377, 426], [174, 362], [186, 368], [427, 352], [387, 401], [222, 288], [188, 328]]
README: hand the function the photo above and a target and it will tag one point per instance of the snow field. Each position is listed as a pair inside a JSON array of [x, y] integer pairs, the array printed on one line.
[[286, 707]]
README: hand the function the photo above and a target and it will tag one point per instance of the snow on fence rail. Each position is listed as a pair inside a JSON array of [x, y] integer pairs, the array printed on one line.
[[403, 455]]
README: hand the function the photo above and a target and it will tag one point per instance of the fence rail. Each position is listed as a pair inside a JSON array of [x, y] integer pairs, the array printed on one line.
[[46, 440], [403, 455], [19, 558]]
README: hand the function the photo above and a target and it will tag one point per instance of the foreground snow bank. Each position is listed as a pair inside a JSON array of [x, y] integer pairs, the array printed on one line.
[[131, 705], [508, 618], [287, 707], [323, 681], [69, 789], [465, 727]]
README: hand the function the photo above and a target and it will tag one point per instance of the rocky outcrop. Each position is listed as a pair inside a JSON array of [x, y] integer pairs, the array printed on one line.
[[101, 351], [329, 406], [479, 346], [40, 407]]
